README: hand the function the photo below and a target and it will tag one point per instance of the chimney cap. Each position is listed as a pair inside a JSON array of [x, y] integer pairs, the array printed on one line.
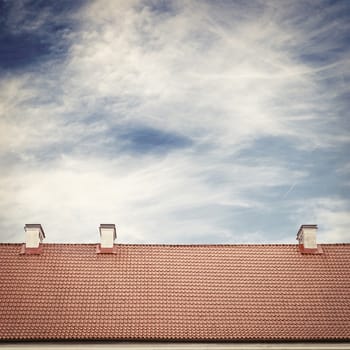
[[310, 226], [35, 226], [108, 226]]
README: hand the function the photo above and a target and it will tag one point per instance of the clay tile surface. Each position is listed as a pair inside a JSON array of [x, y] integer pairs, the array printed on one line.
[[175, 292]]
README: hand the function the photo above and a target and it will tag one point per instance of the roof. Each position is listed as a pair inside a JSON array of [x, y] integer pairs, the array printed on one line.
[[175, 293]]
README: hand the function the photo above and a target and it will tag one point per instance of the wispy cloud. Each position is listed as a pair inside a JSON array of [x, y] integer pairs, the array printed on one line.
[[179, 121]]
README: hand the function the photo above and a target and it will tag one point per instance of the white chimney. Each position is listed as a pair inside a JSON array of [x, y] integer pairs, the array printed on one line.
[[307, 236], [108, 235], [34, 235]]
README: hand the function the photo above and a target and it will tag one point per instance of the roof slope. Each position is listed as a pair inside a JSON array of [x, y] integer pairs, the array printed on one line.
[[168, 292]]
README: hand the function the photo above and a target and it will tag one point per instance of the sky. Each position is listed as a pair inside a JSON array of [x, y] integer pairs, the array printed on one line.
[[182, 122]]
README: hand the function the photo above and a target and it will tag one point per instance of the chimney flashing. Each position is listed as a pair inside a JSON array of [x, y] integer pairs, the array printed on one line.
[[31, 251], [317, 250], [101, 250]]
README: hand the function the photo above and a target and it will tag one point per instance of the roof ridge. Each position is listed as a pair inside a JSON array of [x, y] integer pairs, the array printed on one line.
[[182, 245]]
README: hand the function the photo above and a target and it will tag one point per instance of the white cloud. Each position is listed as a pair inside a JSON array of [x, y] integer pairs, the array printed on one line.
[[147, 199], [224, 82], [230, 81]]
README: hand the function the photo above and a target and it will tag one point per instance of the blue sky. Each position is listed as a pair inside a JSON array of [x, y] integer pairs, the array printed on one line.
[[179, 121]]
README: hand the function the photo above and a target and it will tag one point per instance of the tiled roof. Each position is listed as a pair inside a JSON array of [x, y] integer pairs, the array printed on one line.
[[175, 292]]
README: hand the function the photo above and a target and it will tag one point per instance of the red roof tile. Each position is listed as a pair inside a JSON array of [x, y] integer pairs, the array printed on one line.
[[168, 292]]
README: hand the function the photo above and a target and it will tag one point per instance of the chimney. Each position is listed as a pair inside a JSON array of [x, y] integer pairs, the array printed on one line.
[[307, 239], [108, 235], [34, 235]]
